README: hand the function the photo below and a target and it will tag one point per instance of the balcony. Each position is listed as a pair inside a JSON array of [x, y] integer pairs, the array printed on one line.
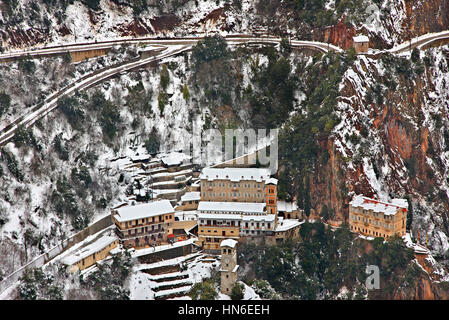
[[217, 226]]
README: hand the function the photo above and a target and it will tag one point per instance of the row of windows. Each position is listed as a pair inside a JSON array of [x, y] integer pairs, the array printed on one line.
[[142, 230], [215, 231], [252, 232], [191, 201], [369, 232], [374, 233], [233, 212], [232, 194], [220, 222], [147, 220], [258, 224], [374, 222], [372, 213], [230, 184], [234, 223]]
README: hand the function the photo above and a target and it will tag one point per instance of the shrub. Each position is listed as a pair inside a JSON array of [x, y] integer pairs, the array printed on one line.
[[108, 281], [152, 143], [70, 106], [165, 77], [203, 291], [109, 119], [61, 148], [13, 165], [162, 100], [265, 290], [185, 92], [37, 285], [93, 4], [81, 177], [25, 137], [26, 65], [415, 55], [210, 48], [237, 292], [5, 102], [97, 100]]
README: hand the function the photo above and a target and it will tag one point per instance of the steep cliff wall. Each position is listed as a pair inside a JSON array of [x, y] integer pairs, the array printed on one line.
[[392, 141]]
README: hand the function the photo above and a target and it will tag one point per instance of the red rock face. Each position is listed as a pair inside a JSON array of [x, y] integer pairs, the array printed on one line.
[[135, 28], [18, 38], [397, 137], [426, 16], [216, 17], [340, 35], [165, 23]]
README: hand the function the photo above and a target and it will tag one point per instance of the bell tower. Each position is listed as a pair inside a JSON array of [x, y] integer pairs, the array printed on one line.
[[229, 265], [271, 198]]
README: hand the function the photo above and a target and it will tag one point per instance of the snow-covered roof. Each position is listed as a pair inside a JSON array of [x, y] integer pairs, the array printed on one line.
[[403, 203], [415, 246], [144, 210], [146, 251], [265, 217], [228, 243], [88, 250], [284, 206], [222, 216], [360, 201], [142, 192], [186, 214], [237, 207], [236, 174], [272, 181], [142, 157], [360, 39], [191, 196], [287, 224], [175, 158]]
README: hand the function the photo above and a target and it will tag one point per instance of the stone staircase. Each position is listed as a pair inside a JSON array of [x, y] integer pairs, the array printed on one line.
[[170, 281]]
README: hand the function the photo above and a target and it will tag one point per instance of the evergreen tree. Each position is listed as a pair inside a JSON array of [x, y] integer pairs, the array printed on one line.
[[307, 197], [203, 291], [237, 291]]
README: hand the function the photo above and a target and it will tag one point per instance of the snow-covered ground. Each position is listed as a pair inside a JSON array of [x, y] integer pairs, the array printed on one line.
[[143, 286]]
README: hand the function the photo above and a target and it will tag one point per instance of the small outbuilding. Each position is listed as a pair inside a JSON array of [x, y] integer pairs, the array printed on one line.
[[361, 44]]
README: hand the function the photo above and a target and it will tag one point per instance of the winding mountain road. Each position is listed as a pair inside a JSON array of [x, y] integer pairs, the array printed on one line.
[[170, 47], [188, 41], [419, 42]]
